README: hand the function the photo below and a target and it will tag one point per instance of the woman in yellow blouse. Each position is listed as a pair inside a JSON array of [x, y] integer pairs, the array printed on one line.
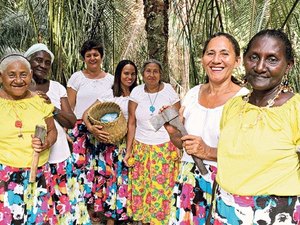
[[258, 164], [22, 202]]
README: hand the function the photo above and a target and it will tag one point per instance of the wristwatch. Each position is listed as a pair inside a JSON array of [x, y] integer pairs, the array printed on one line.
[[56, 111]]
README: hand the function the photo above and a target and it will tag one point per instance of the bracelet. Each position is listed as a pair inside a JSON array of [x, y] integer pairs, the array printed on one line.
[[56, 111]]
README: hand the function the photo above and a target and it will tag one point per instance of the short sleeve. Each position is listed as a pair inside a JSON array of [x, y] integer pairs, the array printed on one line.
[[62, 91], [173, 96], [135, 93], [75, 80], [295, 122]]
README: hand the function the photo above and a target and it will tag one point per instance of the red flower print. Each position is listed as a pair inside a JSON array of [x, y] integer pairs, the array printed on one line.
[[160, 216], [160, 179], [137, 200]]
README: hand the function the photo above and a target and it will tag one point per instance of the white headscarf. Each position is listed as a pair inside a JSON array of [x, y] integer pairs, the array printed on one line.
[[38, 47]]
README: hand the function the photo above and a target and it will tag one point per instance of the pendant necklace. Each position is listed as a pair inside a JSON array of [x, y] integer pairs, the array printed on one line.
[[18, 123], [152, 108]]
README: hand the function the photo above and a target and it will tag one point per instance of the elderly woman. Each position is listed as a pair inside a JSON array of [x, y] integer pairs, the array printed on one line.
[[152, 177], [258, 163], [22, 202], [64, 191]]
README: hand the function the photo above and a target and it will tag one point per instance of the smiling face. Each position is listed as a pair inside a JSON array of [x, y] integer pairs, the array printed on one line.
[[265, 63], [93, 59], [40, 64], [219, 59], [151, 75], [16, 79], [128, 76]]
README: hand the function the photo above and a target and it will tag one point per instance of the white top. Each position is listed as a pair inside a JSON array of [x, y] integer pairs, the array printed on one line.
[[145, 133], [201, 121], [89, 90], [60, 150], [121, 101]]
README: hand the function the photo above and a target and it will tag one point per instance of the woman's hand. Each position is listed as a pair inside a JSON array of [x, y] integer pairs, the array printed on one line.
[[37, 144], [194, 145], [44, 96], [98, 133], [128, 160]]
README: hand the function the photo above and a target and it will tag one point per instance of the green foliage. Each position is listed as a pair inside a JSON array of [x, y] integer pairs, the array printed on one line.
[[199, 19]]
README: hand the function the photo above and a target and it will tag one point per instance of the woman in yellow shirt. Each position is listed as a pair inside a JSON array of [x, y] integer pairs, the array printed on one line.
[[22, 202], [258, 164]]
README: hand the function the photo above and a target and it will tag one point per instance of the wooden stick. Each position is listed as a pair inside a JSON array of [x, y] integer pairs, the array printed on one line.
[[40, 132]]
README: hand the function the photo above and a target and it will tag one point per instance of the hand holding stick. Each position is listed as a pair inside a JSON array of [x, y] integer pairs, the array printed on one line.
[[40, 132]]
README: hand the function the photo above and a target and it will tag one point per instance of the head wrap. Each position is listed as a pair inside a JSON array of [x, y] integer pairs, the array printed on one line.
[[38, 47]]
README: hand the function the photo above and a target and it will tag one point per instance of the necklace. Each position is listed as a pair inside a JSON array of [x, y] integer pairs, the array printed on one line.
[[151, 107], [270, 102], [260, 115]]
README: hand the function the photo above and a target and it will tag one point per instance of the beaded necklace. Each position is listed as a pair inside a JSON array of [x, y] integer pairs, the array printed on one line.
[[270, 102], [259, 117]]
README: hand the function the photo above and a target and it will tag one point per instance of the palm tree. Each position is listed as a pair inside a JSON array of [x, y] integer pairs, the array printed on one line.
[[156, 14], [198, 19]]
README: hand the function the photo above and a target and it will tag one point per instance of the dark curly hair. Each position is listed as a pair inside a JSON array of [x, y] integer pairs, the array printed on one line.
[[89, 45]]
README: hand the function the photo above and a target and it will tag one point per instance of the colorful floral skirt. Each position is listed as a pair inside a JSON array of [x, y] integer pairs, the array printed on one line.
[[22, 202], [109, 190], [151, 181], [78, 183], [267, 209], [192, 195], [68, 202]]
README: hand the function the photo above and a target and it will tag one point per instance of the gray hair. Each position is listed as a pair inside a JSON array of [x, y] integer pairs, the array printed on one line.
[[8, 59], [152, 61]]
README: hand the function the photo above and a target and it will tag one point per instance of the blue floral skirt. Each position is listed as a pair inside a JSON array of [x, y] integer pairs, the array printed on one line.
[[266, 209], [22, 202]]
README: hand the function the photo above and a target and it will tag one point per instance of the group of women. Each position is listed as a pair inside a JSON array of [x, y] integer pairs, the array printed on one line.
[[248, 140]]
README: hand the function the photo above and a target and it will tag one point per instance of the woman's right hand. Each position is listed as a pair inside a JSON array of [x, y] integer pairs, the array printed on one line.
[[98, 133], [128, 160]]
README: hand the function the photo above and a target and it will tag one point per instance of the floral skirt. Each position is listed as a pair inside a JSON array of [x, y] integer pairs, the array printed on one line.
[[22, 202], [151, 181], [110, 179], [267, 209], [192, 195], [78, 183], [69, 205]]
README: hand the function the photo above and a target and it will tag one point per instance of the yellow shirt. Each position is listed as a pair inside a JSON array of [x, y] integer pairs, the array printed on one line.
[[17, 151], [257, 149]]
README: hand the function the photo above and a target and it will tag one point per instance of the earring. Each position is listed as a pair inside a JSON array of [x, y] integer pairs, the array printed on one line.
[[285, 84]]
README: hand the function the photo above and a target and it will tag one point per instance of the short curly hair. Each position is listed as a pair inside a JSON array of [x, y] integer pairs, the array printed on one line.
[[89, 45]]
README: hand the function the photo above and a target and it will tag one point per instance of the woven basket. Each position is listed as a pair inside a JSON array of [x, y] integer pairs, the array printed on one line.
[[117, 129]]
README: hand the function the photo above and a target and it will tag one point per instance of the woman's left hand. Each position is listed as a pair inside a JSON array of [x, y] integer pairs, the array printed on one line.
[[44, 96], [194, 145]]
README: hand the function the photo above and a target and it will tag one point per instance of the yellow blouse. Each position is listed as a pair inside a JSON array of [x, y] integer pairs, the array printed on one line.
[[17, 151], [257, 149]]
